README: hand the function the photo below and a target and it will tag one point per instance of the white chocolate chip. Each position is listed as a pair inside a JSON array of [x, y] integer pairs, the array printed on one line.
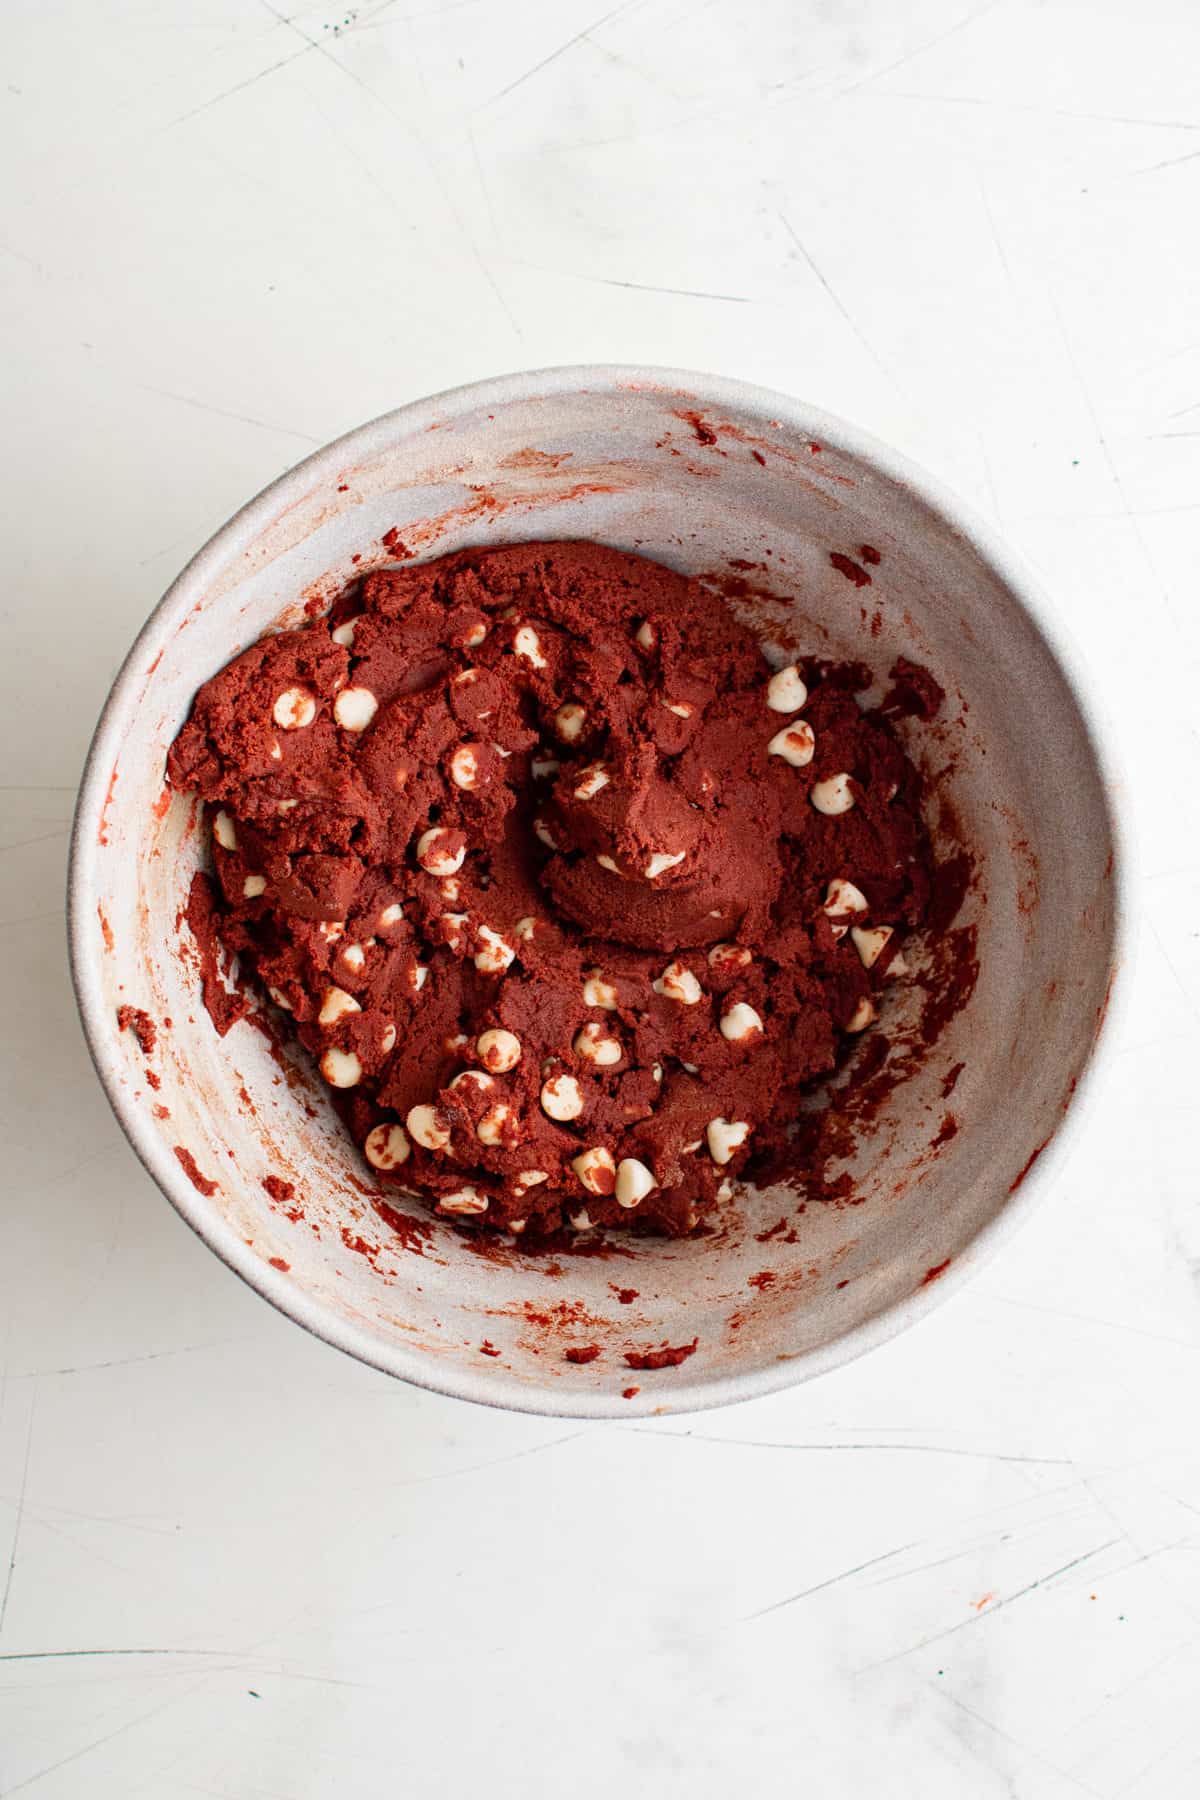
[[496, 955], [529, 1178], [689, 1149], [740, 1023], [464, 766], [524, 929], [833, 796], [562, 1098], [596, 1170], [645, 637], [595, 1045], [657, 1072], [498, 748], [391, 915], [842, 897], [870, 943], [387, 1042], [354, 956], [332, 930], [660, 862], [276, 751], [570, 720], [516, 1226], [457, 1042], [354, 708], [343, 634], [689, 1068], [286, 806], [464, 678], [786, 692], [341, 1068], [294, 709], [678, 983], [725, 1136], [594, 777], [475, 636], [225, 831], [435, 855], [253, 886], [498, 1050], [796, 743], [420, 976], [598, 992], [528, 646], [463, 1200], [542, 832], [451, 890], [490, 1129], [280, 998], [542, 767], [473, 1078], [427, 1129], [897, 966], [387, 1147], [634, 1181], [683, 709], [729, 956], [864, 1014], [452, 924], [606, 862], [336, 1004], [580, 1220]]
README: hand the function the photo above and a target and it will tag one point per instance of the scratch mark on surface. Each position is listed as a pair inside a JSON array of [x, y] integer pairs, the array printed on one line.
[[493, 1463], [422, 147], [555, 54], [1049, 112], [1127, 509], [1178, 978], [699, 1437], [1172, 162], [117, 1362], [990, 216], [920, 49], [97, 1743], [866, 344], [47, 837], [990, 1612], [1016, 1743], [17, 1523], [238, 88], [644, 287], [15, 1656], [224, 413], [820, 1586], [1062, 1312]]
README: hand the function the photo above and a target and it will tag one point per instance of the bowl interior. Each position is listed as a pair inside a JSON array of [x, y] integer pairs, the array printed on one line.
[[242, 1137]]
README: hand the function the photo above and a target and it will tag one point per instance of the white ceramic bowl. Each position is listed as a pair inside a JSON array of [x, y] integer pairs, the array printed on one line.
[[700, 473]]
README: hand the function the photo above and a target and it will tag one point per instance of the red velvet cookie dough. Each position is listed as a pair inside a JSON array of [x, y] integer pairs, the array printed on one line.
[[569, 893]]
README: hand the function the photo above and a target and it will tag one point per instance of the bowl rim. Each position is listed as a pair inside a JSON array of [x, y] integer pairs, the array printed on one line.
[[489, 1385]]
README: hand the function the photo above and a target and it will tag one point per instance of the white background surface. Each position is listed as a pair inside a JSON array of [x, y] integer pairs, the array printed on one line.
[[233, 1563]]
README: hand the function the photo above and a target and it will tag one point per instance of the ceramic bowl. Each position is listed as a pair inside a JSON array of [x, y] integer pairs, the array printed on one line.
[[769, 500]]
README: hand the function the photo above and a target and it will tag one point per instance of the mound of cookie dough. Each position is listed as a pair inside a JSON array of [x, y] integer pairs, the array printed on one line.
[[568, 891]]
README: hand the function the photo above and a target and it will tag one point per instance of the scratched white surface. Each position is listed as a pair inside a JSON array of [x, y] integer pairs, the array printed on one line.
[[233, 1563]]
